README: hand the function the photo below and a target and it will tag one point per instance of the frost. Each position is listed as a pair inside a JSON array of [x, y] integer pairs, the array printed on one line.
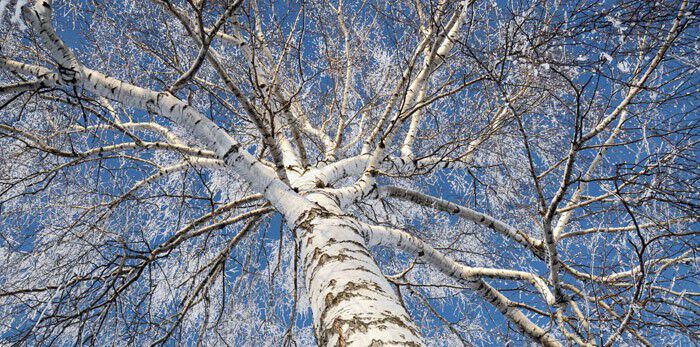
[[16, 14], [3, 6], [607, 57], [616, 23], [74, 243], [623, 66]]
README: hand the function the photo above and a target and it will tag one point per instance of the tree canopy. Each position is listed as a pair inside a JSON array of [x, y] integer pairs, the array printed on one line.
[[402, 172]]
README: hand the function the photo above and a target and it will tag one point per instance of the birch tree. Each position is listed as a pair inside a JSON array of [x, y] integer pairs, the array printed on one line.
[[349, 173]]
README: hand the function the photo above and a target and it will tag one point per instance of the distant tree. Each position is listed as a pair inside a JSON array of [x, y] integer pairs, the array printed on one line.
[[403, 172]]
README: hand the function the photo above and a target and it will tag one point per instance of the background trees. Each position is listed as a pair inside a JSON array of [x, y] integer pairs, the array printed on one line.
[[518, 170]]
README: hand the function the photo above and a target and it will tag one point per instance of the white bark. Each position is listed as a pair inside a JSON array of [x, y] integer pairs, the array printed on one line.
[[464, 212], [352, 302], [471, 277]]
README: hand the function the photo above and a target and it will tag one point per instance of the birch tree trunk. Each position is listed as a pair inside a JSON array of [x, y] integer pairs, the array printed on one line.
[[352, 302]]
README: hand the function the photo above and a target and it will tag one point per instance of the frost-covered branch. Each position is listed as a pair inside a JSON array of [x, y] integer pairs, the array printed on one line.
[[470, 276]]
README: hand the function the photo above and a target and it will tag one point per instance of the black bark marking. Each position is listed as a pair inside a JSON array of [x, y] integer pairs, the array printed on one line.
[[233, 148]]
